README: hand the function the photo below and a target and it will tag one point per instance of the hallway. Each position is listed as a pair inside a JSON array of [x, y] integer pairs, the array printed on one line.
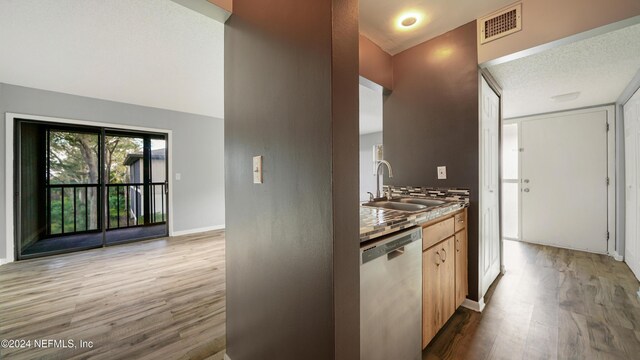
[[551, 304]]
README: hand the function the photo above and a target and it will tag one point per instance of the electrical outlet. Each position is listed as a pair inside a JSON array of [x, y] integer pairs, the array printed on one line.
[[178, 176], [257, 169], [442, 172]]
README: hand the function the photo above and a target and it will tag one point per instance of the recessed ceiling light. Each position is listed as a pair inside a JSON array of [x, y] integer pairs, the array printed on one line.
[[408, 20], [566, 97]]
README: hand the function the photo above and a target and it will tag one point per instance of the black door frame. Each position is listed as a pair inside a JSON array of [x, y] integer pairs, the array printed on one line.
[[103, 207]]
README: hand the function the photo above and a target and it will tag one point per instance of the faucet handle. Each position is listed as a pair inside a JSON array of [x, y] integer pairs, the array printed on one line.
[[388, 193], [371, 197]]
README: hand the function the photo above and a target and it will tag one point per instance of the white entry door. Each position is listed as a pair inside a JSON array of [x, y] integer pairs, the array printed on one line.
[[489, 182], [632, 170], [564, 180]]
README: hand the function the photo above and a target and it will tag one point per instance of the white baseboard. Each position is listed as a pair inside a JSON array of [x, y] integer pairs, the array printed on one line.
[[4, 261], [616, 256], [476, 306], [226, 357], [199, 230]]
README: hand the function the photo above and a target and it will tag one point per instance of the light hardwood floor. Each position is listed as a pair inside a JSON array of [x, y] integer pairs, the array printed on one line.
[[550, 304], [158, 299]]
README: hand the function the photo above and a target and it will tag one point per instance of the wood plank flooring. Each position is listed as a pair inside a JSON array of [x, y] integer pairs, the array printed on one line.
[[157, 299], [165, 299], [550, 304]]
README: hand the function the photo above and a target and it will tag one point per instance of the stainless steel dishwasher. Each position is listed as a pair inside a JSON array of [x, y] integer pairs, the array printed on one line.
[[391, 297]]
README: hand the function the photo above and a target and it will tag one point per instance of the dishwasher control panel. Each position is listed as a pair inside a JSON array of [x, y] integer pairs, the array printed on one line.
[[385, 246]]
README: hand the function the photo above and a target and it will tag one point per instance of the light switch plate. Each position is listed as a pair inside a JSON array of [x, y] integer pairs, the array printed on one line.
[[178, 176], [442, 172], [257, 169]]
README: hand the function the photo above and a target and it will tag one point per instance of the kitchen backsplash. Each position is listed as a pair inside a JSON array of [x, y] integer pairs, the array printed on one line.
[[457, 194]]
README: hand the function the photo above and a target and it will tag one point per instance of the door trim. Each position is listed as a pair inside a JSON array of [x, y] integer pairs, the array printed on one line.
[[10, 232], [611, 164], [485, 76]]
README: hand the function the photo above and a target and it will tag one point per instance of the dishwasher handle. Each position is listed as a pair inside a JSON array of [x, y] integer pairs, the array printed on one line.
[[395, 253]]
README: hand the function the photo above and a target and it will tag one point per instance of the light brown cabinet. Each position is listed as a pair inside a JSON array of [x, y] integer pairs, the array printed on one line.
[[444, 271], [460, 221], [438, 288], [437, 232], [462, 285]]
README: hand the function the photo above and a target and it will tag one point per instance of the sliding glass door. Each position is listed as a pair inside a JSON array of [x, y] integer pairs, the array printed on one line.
[[86, 187], [136, 186]]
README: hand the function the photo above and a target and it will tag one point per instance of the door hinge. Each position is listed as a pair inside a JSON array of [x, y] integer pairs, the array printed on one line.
[[608, 181], [521, 149], [607, 235], [607, 126]]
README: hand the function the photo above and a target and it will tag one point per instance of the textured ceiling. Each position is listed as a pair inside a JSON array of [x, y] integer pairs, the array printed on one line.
[[144, 52], [370, 110], [598, 68], [378, 19]]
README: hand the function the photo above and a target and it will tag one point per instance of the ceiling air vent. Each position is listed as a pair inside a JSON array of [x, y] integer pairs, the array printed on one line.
[[501, 23]]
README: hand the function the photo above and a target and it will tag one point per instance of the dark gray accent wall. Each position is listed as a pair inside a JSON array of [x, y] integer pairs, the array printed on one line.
[[291, 95], [431, 119], [198, 148]]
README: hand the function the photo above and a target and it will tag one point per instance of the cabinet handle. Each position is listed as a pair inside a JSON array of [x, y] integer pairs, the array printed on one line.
[[445, 255], [438, 258]]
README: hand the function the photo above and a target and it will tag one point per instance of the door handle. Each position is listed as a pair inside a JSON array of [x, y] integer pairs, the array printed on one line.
[[526, 181], [526, 190], [445, 255]]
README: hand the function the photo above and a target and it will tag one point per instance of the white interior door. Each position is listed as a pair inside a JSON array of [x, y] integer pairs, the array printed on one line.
[[489, 177], [564, 180], [632, 166]]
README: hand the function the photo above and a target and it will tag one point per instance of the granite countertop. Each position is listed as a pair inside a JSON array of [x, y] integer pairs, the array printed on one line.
[[375, 222]]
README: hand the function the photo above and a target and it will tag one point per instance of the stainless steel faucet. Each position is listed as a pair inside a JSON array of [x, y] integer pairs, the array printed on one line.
[[378, 172]]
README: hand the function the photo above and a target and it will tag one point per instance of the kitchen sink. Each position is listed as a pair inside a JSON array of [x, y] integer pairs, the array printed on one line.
[[426, 202], [394, 205]]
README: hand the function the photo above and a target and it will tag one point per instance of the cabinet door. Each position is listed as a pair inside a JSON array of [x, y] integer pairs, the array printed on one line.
[[461, 267], [447, 279], [438, 288], [431, 293]]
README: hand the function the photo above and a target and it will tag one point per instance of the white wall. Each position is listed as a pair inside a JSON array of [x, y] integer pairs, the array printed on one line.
[[146, 52], [367, 179]]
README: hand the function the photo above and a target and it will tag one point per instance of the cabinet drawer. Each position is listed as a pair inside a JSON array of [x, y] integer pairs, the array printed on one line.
[[435, 233], [461, 221]]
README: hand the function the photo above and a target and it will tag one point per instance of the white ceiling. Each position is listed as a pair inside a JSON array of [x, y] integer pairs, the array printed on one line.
[[370, 109], [378, 19], [598, 68], [145, 52]]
